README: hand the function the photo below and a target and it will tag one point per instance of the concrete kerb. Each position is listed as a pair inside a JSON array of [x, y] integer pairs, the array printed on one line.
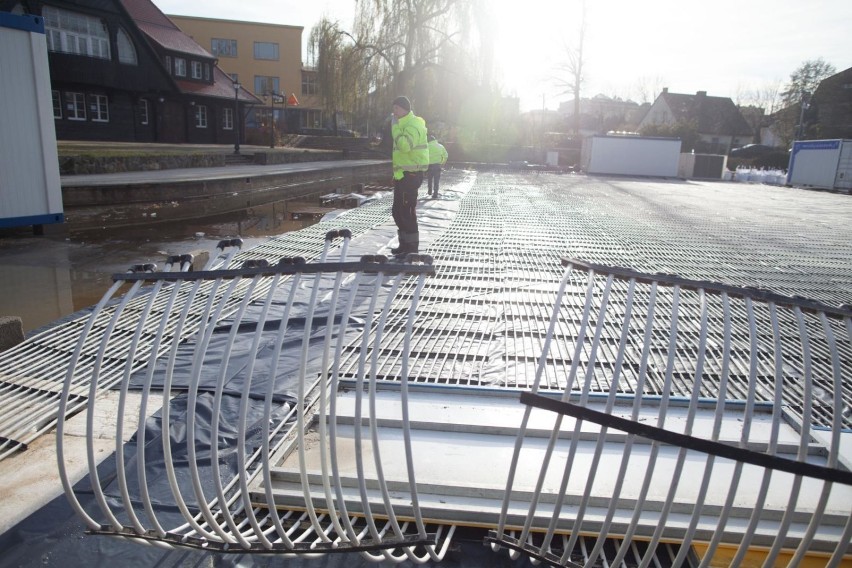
[[11, 331]]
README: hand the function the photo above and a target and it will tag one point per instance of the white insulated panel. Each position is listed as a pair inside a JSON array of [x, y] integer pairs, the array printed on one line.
[[30, 190]]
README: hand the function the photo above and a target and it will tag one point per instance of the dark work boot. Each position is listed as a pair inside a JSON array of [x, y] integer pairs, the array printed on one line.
[[408, 243], [399, 249]]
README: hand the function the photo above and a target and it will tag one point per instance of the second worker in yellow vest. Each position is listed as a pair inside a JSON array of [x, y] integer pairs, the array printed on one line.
[[437, 158]]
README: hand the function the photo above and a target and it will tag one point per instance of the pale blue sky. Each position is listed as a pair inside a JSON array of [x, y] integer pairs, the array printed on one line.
[[727, 47]]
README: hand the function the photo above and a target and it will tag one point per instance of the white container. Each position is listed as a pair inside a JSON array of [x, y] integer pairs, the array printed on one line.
[[631, 155], [30, 190]]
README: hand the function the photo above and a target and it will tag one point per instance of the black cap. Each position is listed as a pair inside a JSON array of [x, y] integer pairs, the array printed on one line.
[[402, 102]]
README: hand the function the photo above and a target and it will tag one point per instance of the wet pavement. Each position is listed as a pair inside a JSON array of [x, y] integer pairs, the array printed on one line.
[[45, 278]]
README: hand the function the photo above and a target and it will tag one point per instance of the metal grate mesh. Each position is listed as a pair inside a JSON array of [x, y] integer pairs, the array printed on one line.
[[482, 319]]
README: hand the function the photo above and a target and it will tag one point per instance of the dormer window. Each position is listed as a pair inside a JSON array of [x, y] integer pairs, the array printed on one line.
[[180, 67], [196, 69]]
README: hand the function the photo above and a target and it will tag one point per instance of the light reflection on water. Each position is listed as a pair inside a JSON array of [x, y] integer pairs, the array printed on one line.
[[43, 279]]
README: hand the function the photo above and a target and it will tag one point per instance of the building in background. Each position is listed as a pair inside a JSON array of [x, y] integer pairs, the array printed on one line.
[[267, 60], [601, 114], [123, 71], [832, 102], [719, 124]]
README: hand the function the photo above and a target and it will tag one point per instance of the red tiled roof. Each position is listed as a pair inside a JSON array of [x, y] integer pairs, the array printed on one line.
[[173, 39], [222, 87], [162, 30]]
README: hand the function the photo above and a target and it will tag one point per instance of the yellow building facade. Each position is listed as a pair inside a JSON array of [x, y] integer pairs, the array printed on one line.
[[266, 59]]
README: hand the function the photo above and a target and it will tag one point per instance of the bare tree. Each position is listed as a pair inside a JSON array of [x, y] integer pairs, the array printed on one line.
[[648, 88], [758, 103], [573, 68]]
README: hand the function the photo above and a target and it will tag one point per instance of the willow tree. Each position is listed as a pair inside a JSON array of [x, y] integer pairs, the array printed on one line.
[[412, 39], [339, 69], [434, 51]]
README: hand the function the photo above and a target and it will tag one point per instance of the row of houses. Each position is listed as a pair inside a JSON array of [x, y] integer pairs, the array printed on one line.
[[122, 70], [721, 124]]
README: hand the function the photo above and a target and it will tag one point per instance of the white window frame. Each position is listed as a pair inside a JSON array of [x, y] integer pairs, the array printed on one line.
[[200, 116], [71, 32], [57, 103], [196, 69], [75, 104], [180, 67], [227, 119], [143, 111], [99, 107]]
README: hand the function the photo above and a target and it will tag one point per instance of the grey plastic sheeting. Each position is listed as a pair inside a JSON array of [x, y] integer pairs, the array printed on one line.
[[286, 373]]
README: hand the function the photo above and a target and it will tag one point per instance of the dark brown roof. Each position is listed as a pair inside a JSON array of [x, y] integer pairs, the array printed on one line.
[[162, 30], [715, 115]]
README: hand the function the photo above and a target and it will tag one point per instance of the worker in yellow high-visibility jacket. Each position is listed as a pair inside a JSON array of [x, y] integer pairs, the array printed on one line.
[[437, 158], [410, 160]]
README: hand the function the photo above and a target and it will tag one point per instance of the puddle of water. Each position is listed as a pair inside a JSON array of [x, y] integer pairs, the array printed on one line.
[[43, 279]]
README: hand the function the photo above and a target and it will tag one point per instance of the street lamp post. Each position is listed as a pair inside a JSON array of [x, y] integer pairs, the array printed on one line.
[[272, 119], [806, 103], [236, 117]]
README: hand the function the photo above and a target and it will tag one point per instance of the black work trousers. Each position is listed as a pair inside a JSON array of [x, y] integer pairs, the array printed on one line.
[[434, 177], [405, 201]]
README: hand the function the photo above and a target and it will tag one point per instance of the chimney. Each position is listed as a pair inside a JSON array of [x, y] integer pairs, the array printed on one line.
[[665, 90], [701, 94]]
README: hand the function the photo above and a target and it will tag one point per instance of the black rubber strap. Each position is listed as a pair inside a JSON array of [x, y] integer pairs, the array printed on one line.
[[690, 442], [370, 265]]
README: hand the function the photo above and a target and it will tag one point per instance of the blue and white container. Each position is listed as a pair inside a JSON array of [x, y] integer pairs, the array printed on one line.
[[825, 164], [30, 190]]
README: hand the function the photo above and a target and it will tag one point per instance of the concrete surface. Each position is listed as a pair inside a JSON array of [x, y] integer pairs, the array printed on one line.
[[30, 479], [11, 331]]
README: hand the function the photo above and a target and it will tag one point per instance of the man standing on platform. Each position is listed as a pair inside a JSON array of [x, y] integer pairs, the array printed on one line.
[[410, 159]]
